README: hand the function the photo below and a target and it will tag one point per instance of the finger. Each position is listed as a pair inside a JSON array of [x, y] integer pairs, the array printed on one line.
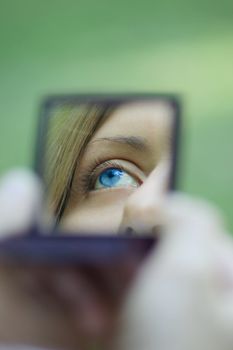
[[89, 307], [221, 300], [31, 318], [90, 297], [191, 228], [175, 281], [117, 277], [20, 200]]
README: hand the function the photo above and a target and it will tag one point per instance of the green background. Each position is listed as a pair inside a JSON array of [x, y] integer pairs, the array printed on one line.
[[50, 46]]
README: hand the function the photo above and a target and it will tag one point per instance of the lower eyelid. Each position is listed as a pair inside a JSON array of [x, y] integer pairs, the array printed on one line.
[[113, 190]]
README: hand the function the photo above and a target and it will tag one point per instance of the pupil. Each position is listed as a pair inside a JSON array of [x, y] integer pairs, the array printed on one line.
[[110, 177]]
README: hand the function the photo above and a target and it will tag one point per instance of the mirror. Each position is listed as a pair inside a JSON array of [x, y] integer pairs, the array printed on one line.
[[105, 161]]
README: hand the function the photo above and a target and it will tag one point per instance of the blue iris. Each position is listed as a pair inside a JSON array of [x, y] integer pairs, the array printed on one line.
[[110, 177]]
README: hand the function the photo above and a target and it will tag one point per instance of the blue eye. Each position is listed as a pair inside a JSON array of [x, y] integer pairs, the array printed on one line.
[[114, 177]]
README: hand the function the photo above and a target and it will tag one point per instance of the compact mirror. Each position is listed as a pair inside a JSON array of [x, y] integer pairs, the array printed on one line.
[[105, 161]]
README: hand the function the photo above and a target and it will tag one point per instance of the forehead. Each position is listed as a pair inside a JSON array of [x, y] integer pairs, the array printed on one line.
[[145, 118]]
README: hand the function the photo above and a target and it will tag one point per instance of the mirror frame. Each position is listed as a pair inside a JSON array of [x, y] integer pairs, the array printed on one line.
[[49, 102], [36, 248]]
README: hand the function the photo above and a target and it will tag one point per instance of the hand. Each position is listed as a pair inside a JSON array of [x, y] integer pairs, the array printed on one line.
[[52, 306], [183, 296], [24, 319]]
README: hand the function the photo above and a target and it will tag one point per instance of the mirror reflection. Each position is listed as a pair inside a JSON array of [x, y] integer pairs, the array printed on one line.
[[107, 163]]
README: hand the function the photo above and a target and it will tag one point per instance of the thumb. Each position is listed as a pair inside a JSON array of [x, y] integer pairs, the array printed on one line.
[[20, 201]]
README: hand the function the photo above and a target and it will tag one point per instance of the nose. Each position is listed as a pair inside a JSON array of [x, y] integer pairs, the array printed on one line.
[[142, 213]]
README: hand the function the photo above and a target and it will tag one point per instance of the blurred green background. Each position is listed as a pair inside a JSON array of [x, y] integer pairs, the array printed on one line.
[[53, 46]]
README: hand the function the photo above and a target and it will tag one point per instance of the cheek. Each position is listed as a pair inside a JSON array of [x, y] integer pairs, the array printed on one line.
[[99, 213]]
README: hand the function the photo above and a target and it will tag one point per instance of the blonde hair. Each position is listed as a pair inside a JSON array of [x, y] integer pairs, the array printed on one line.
[[70, 129]]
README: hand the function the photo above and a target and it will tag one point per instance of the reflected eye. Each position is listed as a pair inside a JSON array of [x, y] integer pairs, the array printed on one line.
[[114, 177]]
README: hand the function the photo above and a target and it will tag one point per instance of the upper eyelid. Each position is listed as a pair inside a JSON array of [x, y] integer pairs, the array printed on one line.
[[106, 165], [101, 166]]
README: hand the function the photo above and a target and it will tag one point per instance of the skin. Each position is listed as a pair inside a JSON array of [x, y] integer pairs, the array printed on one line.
[[146, 159], [88, 318], [194, 261], [188, 274]]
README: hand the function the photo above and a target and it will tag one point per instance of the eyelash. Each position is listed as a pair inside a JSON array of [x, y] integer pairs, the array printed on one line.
[[88, 178]]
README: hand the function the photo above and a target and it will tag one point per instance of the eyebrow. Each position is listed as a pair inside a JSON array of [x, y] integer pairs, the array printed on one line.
[[136, 142]]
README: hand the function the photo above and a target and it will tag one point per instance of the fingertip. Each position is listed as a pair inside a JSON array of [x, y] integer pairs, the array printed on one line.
[[183, 209], [20, 198], [19, 180]]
